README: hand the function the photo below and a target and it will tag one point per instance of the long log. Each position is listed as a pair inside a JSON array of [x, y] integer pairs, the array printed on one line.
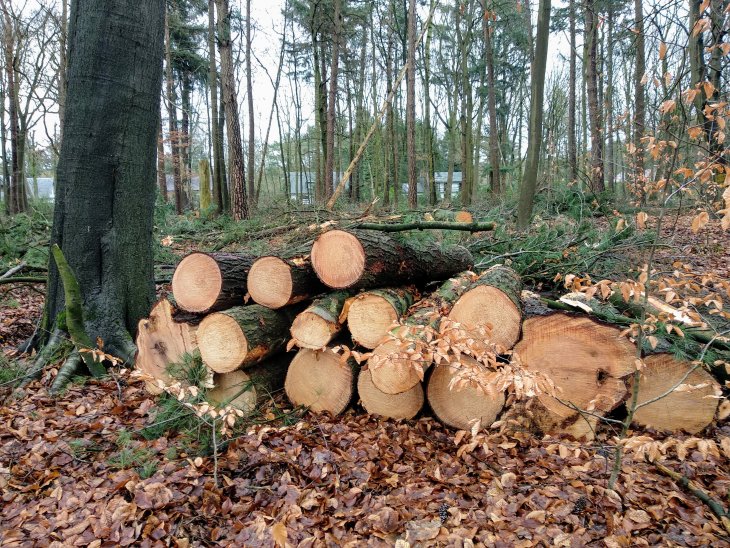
[[242, 336], [427, 225], [675, 395], [207, 282], [459, 216], [373, 312], [162, 341], [586, 360], [321, 381], [461, 408], [275, 282], [394, 369], [247, 390], [493, 303], [405, 405], [366, 259], [320, 322]]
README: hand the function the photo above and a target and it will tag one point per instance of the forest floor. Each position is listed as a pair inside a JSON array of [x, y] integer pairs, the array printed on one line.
[[96, 466]]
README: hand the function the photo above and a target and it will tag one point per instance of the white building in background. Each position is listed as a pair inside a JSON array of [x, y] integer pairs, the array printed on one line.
[[302, 184]]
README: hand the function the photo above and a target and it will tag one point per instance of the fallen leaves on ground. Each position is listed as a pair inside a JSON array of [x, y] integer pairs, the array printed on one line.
[[353, 480]]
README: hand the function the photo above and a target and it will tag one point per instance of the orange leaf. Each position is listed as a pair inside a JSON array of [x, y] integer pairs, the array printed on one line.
[[700, 221], [662, 50], [279, 533]]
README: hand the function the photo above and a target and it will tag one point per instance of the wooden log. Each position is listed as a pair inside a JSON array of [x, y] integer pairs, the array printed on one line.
[[393, 369], [242, 336], [405, 405], [586, 360], [320, 322], [275, 282], [459, 216], [679, 407], [366, 259], [162, 341], [207, 282], [246, 390], [320, 381], [373, 312], [461, 408], [493, 302]]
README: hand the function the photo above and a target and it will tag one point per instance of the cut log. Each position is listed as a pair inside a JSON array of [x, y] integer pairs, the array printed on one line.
[[461, 408], [160, 342], [320, 381], [586, 360], [206, 282], [461, 216], [367, 259], [320, 322], [684, 408], [373, 312], [394, 371], [493, 302], [275, 283], [405, 405], [246, 390], [242, 336]]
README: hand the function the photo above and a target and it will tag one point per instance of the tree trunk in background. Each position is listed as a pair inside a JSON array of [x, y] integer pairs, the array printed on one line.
[[225, 191], [639, 95], [411, 107], [494, 176], [252, 194], [237, 170], [432, 191], [161, 177], [390, 168], [186, 167], [329, 167], [104, 207], [537, 85], [594, 107], [3, 140], [610, 160], [572, 148], [218, 193], [62, 66], [172, 122], [17, 197]]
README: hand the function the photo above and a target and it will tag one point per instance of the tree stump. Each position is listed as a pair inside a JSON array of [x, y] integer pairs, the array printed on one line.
[[373, 312], [275, 283]]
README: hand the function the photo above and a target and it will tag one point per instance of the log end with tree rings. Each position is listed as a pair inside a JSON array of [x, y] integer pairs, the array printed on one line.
[[586, 360], [320, 381], [405, 405], [312, 331], [689, 393], [391, 372], [235, 389], [488, 307], [223, 345], [461, 407], [369, 318], [338, 258], [270, 282], [197, 282]]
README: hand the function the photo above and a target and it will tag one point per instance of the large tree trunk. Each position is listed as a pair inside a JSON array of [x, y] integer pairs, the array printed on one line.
[[529, 180], [594, 106], [106, 171], [411, 107], [237, 170]]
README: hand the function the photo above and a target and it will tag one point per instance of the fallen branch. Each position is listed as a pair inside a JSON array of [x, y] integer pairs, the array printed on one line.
[[15, 269], [701, 494], [23, 279], [426, 225]]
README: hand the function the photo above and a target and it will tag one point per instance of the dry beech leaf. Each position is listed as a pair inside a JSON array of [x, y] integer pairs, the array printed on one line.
[[700, 221], [279, 534]]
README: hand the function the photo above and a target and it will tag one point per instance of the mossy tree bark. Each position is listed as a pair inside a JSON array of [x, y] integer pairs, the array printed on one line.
[[106, 171]]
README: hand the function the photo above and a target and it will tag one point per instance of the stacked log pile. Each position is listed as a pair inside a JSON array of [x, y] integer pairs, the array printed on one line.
[[395, 326]]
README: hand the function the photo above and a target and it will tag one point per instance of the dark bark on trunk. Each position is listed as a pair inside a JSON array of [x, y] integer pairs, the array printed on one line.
[[172, 122], [329, 167], [237, 170], [252, 194], [495, 182], [106, 171]]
